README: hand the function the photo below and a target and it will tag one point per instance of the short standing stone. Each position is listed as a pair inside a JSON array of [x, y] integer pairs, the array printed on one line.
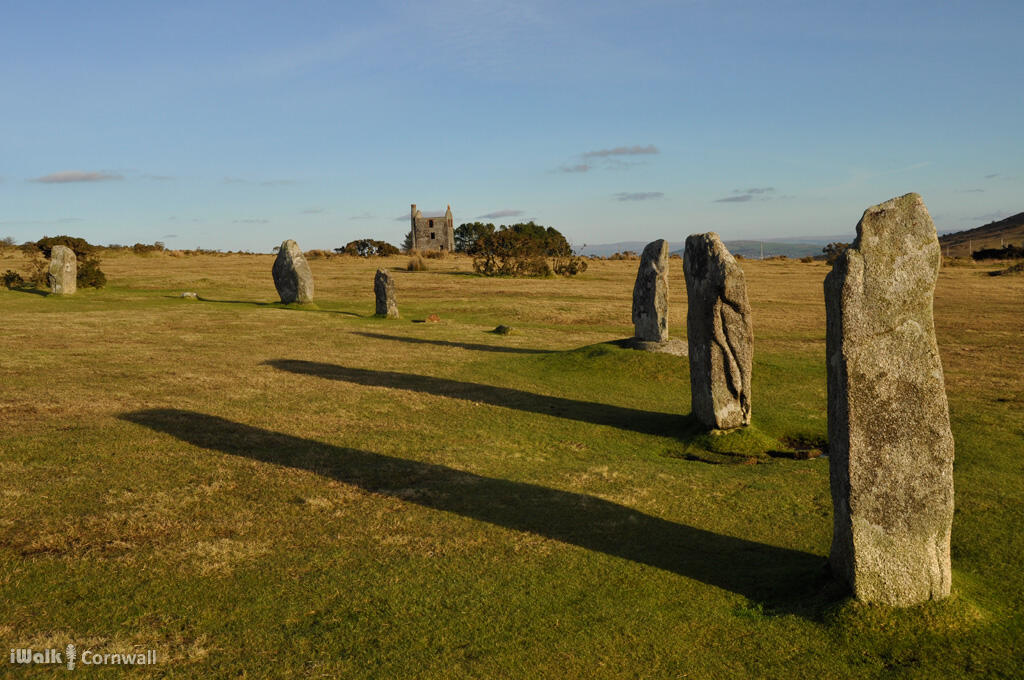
[[63, 274], [890, 446], [650, 294], [384, 291], [292, 277], [720, 335]]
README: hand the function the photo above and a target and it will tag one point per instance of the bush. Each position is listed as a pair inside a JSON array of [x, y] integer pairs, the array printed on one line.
[[416, 263], [807, 259], [38, 268], [145, 248], [1005, 253], [1012, 270], [625, 255], [570, 266], [317, 254], [433, 254], [12, 279], [368, 247], [90, 275], [82, 248]]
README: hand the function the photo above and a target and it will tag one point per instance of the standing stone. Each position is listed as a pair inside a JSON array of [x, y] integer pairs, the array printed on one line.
[[719, 333], [63, 274], [292, 277], [650, 294], [890, 446], [384, 290]]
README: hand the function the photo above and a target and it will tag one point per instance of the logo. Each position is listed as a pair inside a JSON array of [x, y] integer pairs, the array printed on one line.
[[27, 655]]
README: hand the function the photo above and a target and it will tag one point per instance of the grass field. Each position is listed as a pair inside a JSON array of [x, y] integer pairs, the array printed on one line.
[[256, 490]]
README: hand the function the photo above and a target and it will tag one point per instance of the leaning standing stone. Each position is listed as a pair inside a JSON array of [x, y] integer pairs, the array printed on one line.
[[650, 294], [63, 274], [292, 277], [890, 446], [719, 333], [384, 291]]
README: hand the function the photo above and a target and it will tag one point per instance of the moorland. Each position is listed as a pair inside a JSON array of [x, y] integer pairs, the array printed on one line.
[[262, 490]]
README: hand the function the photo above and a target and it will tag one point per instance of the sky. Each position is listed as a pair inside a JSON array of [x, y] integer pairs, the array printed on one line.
[[236, 125]]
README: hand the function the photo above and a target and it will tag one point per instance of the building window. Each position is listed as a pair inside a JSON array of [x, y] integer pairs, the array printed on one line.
[[431, 226], [432, 235]]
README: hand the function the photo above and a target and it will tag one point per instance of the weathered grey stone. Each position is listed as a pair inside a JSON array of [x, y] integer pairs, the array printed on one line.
[[890, 447], [650, 294], [63, 274], [719, 333], [384, 291], [292, 277]]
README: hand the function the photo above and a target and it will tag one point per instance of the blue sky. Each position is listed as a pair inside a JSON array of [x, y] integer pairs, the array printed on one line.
[[237, 125]]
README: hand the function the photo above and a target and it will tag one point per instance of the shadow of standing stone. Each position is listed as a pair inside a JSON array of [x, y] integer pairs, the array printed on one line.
[[63, 272], [719, 333], [890, 444], [384, 291], [292, 276]]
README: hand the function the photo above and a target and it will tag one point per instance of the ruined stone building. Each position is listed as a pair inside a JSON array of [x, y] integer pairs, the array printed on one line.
[[432, 233]]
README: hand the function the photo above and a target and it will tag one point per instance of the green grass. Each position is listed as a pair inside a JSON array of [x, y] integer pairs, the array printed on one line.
[[266, 491]]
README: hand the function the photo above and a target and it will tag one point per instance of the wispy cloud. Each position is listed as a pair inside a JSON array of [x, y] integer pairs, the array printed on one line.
[[614, 158], [251, 221], [635, 150], [158, 178], [70, 220], [992, 176], [970, 191], [363, 216], [169, 236], [501, 213], [314, 211], [68, 176], [638, 196], [747, 195]]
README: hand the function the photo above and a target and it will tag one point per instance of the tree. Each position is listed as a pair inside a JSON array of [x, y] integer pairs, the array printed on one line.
[[467, 235], [367, 247], [407, 242], [523, 250], [833, 250]]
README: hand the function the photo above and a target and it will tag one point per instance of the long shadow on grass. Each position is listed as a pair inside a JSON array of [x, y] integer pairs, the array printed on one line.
[[278, 305], [779, 579], [647, 422], [450, 343]]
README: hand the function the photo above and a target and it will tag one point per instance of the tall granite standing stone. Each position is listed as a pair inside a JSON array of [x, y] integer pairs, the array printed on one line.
[[384, 291], [63, 273], [890, 446], [719, 333], [650, 293], [292, 277]]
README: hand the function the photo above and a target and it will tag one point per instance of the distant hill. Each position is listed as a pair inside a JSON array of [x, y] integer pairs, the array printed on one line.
[[992, 235], [746, 248]]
